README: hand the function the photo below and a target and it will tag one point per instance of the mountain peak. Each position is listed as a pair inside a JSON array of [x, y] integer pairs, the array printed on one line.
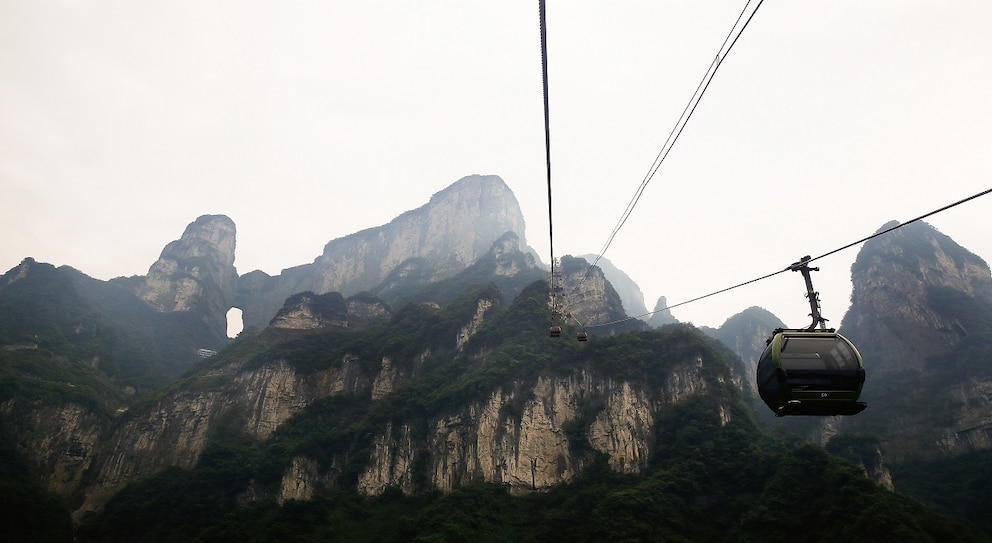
[[18, 272], [435, 241], [196, 272], [899, 280]]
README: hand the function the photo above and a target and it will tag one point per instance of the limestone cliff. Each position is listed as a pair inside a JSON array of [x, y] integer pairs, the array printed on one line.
[[745, 334], [507, 265], [921, 315], [452, 231], [630, 294], [196, 273], [903, 283], [532, 451], [59, 440], [661, 315], [530, 430], [478, 441], [309, 311], [589, 299]]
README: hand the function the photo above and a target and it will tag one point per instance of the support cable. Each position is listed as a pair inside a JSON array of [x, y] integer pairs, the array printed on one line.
[[680, 124], [791, 267], [555, 302], [547, 123]]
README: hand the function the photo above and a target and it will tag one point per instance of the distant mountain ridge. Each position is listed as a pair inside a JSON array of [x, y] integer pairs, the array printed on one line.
[[196, 273], [921, 315], [451, 232], [745, 334], [436, 370], [466, 236], [630, 293]]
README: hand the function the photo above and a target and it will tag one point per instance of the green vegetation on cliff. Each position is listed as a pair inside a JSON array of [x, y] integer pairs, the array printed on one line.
[[714, 475], [960, 485], [710, 481], [95, 324], [27, 511]]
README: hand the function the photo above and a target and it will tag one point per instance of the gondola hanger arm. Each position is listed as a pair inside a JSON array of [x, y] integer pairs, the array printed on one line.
[[814, 297]]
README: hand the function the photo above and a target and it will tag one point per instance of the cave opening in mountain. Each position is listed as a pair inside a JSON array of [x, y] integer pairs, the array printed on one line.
[[235, 323]]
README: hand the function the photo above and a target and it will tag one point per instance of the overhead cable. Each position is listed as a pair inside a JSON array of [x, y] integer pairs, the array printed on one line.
[[547, 125], [790, 267], [680, 124]]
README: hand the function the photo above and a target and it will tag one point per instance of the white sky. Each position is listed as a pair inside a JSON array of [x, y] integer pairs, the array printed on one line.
[[123, 121]]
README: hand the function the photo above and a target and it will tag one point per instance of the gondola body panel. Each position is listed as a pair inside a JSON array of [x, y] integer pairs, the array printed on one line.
[[815, 373]]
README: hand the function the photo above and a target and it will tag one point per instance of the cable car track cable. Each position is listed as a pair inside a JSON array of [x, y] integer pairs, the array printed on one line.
[[547, 122], [676, 131], [791, 266], [555, 304]]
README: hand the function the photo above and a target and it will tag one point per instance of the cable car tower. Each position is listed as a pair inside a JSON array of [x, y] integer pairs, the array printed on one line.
[[811, 371]]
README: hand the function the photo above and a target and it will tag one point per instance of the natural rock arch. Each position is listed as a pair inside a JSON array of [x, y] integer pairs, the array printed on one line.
[[235, 322]]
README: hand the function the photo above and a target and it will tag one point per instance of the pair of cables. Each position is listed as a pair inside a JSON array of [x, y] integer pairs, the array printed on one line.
[[728, 43], [740, 24], [743, 20]]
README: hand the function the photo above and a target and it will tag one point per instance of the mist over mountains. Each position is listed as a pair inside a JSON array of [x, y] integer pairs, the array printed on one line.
[[413, 358]]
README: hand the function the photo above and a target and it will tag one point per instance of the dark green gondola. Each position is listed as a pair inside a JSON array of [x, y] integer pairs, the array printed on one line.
[[818, 373], [815, 372]]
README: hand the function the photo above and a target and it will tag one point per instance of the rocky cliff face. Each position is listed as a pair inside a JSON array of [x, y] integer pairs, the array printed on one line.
[[456, 227], [661, 315], [175, 430], [58, 440], [309, 311], [451, 232], [526, 434], [745, 334], [507, 265], [591, 300], [921, 315], [196, 273], [903, 283], [483, 442], [480, 441], [630, 294]]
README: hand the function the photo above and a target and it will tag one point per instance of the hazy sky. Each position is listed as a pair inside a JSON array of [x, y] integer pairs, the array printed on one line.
[[122, 121]]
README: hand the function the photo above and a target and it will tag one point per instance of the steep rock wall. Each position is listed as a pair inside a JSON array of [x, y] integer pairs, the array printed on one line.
[[921, 316], [60, 441], [457, 226], [176, 429], [526, 437], [196, 273], [895, 309], [541, 446]]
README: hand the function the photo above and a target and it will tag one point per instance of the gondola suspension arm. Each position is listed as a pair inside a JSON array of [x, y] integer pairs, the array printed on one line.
[[814, 297]]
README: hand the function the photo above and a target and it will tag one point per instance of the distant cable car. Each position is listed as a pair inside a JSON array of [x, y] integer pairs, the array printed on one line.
[[583, 336], [554, 331], [811, 371]]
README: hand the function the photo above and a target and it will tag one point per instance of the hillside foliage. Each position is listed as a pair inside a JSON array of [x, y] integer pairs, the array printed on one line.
[[709, 479], [74, 340], [100, 325], [708, 483]]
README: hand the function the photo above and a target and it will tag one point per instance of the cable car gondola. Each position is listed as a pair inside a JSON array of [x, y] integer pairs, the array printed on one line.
[[583, 336], [816, 373], [811, 371], [554, 331]]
